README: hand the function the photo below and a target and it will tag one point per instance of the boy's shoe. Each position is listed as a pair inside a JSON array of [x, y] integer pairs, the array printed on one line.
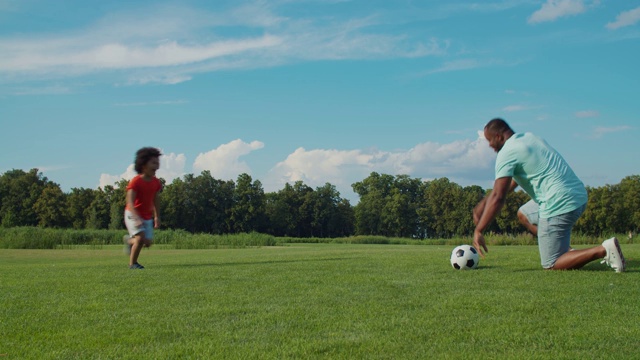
[[614, 257], [136, 266], [127, 246]]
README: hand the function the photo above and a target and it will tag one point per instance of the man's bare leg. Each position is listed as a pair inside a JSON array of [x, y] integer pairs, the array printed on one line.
[[529, 226], [576, 259]]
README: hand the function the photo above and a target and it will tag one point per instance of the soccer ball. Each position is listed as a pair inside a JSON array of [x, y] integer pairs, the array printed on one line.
[[464, 257]]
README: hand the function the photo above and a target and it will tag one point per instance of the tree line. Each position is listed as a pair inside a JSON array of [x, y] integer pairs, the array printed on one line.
[[394, 206]]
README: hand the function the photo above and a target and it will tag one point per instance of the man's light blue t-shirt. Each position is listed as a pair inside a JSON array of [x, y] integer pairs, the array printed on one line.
[[542, 172]]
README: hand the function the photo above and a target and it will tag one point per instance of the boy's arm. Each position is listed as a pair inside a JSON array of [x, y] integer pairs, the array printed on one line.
[[131, 197], [156, 211]]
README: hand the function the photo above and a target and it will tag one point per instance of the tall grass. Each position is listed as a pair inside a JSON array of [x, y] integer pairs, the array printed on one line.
[[45, 238]]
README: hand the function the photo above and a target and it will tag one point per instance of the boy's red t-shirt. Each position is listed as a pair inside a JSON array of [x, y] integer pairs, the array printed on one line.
[[145, 195]]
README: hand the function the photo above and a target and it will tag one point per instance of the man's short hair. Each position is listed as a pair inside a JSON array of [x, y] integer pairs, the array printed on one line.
[[143, 156], [498, 126]]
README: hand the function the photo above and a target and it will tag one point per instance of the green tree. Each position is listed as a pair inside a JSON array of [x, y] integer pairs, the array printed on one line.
[[19, 191], [470, 197], [373, 192], [399, 215], [345, 225], [507, 219], [630, 201], [99, 210], [78, 205], [209, 203], [51, 207], [440, 208], [117, 202], [589, 223], [325, 201], [288, 210], [248, 210], [173, 205], [198, 204]]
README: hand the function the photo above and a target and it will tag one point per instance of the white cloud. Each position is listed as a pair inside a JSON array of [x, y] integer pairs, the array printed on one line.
[[554, 9], [169, 44], [167, 79], [148, 103], [32, 55], [463, 160], [587, 114], [470, 64], [512, 108], [224, 161], [519, 107], [625, 18], [458, 65], [600, 131], [172, 166], [44, 90], [107, 179]]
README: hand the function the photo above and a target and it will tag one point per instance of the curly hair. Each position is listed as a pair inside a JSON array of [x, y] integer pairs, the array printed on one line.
[[143, 156]]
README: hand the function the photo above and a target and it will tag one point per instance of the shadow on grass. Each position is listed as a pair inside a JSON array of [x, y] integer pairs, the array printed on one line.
[[250, 263], [631, 265], [488, 267]]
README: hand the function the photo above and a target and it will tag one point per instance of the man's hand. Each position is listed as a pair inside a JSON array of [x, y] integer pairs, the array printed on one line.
[[479, 244], [156, 222]]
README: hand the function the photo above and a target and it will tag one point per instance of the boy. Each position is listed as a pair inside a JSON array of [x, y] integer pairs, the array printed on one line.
[[141, 212]]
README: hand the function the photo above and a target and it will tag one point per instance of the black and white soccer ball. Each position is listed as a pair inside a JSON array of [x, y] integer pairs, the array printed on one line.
[[464, 257]]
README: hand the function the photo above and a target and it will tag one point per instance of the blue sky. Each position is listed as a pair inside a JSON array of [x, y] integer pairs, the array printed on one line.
[[315, 90]]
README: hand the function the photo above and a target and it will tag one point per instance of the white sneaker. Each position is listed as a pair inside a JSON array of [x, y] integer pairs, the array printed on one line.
[[614, 257]]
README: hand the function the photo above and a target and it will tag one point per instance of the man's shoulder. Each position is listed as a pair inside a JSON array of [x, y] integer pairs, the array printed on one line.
[[524, 136]]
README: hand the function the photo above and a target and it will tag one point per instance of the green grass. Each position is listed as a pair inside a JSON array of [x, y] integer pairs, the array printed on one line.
[[304, 301]]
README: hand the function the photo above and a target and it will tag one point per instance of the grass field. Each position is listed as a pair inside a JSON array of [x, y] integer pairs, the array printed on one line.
[[313, 301]]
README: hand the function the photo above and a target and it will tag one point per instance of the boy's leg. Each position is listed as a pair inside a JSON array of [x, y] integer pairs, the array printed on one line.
[[136, 238], [140, 240], [127, 246], [136, 243]]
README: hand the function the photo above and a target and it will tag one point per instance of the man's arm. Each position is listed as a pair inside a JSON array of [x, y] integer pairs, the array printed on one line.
[[492, 206], [479, 209]]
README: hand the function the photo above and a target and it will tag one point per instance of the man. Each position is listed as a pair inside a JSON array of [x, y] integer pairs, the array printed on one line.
[[526, 160]]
